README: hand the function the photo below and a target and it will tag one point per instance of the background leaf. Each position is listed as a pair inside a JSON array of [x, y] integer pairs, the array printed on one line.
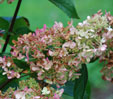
[[21, 64], [87, 94], [67, 6], [3, 78], [21, 22], [80, 84], [69, 88], [13, 84], [4, 24], [66, 96]]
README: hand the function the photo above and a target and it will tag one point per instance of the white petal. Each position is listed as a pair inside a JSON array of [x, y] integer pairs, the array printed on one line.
[[20, 95], [8, 64], [80, 24], [88, 17]]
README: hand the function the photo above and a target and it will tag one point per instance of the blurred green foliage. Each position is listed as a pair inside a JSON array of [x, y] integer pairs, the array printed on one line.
[[41, 12]]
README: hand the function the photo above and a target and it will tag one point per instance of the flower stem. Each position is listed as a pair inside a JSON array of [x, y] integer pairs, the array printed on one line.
[[11, 26]]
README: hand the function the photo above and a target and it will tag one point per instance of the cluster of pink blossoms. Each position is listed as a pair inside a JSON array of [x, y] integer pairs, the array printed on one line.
[[55, 54], [53, 61]]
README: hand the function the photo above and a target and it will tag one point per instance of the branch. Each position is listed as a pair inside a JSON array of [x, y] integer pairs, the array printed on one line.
[[11, 25]]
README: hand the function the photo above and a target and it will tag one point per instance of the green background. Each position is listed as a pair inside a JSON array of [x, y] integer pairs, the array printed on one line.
[[40, 12]]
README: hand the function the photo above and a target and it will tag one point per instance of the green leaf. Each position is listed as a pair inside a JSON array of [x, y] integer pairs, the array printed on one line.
[[13, 83], [4, 24], [22, 30], [67, 6], [21, 64], [67, 96], [80, 84], [69, 88], [5, 54], [20, 22], [3, 78], [87, 94]]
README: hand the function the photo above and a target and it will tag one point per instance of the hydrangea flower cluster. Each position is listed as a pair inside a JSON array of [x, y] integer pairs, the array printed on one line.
[[55, 54], [52, 60], [59, 52], [30, 89]]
